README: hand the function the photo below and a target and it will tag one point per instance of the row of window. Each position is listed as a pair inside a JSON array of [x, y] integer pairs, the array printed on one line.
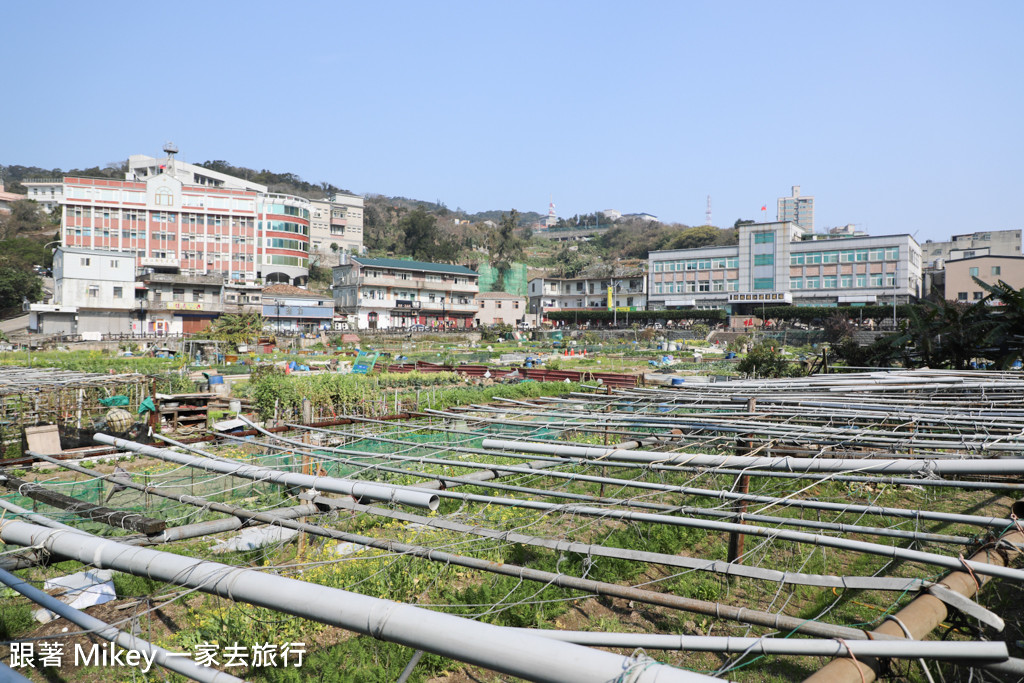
[[277, 260], [285, 226], [277, 243], [285, 210], [696, 264], [135, 215], [996, 270], [842, 282], [845, 256], [690, 287]]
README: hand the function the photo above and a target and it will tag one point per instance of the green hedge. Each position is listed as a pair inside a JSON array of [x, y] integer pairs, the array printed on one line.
[[602, 315], [809, 313]]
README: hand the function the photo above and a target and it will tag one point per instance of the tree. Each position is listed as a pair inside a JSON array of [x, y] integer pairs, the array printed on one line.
[[504, 247], [17, 285], [23, 252], [422, 238], [25, 216]]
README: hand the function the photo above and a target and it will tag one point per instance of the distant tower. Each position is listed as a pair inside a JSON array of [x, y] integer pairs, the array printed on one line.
[[707, 215], [552, 218], [170, 149]]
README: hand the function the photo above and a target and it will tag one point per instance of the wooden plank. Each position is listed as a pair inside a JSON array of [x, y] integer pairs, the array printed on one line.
[[96, 513]]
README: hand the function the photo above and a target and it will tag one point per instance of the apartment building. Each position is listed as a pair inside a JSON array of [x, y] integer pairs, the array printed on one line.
[[960, 285], [392, 293], [796, 209], [177, 303], [628, 293], [780, 263], [336, 226], [177, 216]]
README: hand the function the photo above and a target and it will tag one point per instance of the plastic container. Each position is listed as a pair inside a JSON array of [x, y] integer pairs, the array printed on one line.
[[677, 381], [216, 379]]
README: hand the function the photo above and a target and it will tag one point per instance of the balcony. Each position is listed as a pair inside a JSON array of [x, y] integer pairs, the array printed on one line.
[[418, 283], [180, 306]]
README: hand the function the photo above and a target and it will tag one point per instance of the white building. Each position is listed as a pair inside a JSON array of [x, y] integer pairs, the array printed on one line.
[[393, 293], [94, 292], [47, 193], [779, 263], [629, 293]]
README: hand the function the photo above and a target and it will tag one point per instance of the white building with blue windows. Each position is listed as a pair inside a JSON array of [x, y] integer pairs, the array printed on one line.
[[779, 263]]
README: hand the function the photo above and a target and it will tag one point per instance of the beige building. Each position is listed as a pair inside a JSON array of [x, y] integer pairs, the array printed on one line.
[[960, 274], [497, 308], [338, 222]]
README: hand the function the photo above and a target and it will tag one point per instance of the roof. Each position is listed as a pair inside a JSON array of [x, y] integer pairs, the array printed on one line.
[[953, 261], [414, 265], [291, 290]]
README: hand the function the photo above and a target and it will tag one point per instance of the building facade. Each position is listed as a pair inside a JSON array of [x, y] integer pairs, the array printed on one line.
[[47, 193], [779, 263], [987, 243], [960, 285], [392, 293], [498, 308], [177, 303], [796, 209], [290, 309], [93, 292], [336, 226], [174, 215], [629, 292]]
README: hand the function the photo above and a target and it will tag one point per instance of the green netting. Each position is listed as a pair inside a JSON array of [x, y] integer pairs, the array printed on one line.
[[515, 279]]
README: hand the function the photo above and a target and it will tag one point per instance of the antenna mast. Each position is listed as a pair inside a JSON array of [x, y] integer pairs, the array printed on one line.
[[707, 215]]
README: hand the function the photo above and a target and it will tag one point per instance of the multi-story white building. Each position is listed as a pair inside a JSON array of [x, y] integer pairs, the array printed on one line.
[[779, 263], [336, 226], [796, 209], [177, 216], [93, 292], [629, 292], [293, 310], [47, 193], [392, 293]]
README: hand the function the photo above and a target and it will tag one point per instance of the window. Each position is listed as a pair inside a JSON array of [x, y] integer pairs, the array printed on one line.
[[892, 253], [877, 255], [846, 281], [829, 282], [515, 305], [830, 257], [497, 304], [996, 270], [811, 283], [197, 295], [796, 283], [764, 237], [968, 254], [977, 296], [764, 282], [118, 292], [974, 272], [846, 256], [861, 254], [961, 296], [813, 257], [94, 290], [764, 259], [85, 261], [862, 280]]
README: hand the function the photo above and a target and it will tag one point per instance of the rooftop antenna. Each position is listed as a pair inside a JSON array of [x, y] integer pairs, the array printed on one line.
[[170, 149], [707, 215]]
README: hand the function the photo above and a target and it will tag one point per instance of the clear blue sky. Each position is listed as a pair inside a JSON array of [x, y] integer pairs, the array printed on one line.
[[896, 116]]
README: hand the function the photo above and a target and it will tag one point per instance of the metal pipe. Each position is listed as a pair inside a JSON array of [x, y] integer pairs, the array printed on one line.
[[921, 616], [492, 647], [372, 491], [974, 651], [988, 466], [182, 665]]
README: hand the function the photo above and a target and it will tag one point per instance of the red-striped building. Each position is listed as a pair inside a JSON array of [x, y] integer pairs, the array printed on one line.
[[183, 218]]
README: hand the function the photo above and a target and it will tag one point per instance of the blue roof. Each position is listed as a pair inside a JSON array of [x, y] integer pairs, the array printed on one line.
[[402, 264]]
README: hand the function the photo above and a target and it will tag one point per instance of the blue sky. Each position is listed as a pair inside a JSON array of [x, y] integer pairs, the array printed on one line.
[[896, 116]]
